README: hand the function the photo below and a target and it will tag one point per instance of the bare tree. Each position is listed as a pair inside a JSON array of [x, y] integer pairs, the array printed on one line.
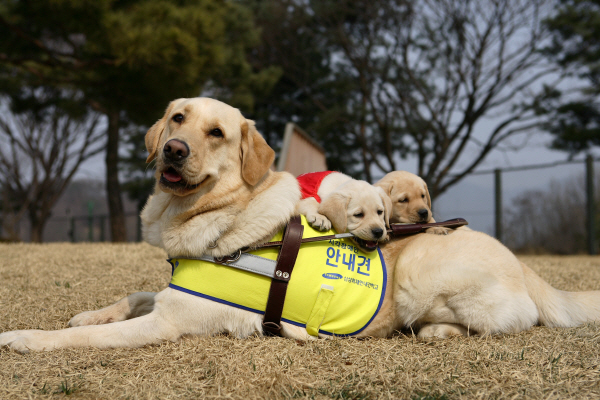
[[446, 81], [40, 151]]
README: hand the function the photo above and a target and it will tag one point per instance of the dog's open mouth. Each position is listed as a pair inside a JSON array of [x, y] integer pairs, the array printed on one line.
[[171, 175], [171, 178], [368, 245]]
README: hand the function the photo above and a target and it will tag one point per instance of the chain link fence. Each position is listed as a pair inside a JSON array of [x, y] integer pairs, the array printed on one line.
[[90, 228], [541, 208]]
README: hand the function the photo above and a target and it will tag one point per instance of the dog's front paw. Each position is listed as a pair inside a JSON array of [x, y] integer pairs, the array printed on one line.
[[24, 341], [438, 230], [318, 221], [98, 317]]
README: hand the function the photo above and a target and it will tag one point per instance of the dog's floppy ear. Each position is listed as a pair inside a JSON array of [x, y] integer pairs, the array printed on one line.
[[427, 195], [387, 205], [154, 134], [387, 185], [257, 155], [335, 207]]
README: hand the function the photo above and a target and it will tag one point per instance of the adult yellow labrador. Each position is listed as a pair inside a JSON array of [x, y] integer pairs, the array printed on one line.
[[215, 194]]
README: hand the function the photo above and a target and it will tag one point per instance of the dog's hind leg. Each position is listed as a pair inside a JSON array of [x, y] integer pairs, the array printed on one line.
[[175, 314], [134, 305], [136, 332]]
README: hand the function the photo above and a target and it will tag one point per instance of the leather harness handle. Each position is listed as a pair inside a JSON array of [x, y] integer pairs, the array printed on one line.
[[395, 230], [292, 238], [410, 229]]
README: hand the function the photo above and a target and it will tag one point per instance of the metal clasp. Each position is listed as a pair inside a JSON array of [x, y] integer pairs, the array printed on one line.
[[230, 258]]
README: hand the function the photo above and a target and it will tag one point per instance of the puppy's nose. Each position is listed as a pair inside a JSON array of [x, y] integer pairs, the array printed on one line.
[[377, 232], [176, 150], [424, 214]]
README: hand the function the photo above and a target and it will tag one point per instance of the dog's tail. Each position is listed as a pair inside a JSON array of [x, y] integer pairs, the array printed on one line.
[[558, 308]]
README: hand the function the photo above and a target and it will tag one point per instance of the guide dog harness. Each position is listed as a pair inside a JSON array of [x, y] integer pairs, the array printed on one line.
[[335, 289]]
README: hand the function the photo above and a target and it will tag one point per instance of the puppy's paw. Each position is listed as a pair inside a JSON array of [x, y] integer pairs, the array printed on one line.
[[98, 317], [318, 221], [25, 341], [438, 230]]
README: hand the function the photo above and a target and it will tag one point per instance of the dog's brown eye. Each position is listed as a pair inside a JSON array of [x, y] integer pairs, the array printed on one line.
[[359, 215], [178, 118], [217, 132], [379, 212], [403, 201], [422, 196]]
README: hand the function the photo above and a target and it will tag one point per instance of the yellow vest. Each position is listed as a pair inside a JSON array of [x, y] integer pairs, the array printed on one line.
[[335, 288]]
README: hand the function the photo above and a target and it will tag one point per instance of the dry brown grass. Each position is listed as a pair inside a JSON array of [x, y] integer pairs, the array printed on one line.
[[42, 286]]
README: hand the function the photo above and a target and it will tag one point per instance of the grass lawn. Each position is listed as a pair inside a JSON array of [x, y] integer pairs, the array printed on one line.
[[43, 286]]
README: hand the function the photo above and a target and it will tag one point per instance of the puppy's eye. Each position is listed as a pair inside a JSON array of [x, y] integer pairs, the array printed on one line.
[[217, 132], [379, 212], [178, 118], [422, 196], [359, 215], [403, 201]]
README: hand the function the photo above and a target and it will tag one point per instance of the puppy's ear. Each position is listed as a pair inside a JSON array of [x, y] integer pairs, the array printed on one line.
[[387, 185], [335, 207], [257, 156], [154, 134], [427, 195], [387, 205]]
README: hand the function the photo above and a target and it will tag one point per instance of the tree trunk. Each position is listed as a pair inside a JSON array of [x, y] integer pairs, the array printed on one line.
[[363, 141], [37, 226], [113, 188]]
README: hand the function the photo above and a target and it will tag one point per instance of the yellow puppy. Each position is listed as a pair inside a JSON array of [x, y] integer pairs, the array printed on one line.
[[332, 198], [411, 203]]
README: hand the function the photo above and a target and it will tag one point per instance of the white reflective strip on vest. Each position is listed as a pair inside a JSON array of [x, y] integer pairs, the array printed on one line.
[[247, 262]]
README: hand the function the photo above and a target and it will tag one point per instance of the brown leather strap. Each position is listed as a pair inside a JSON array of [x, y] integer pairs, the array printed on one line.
[[395, 230], [283, 272], [410, 229], [305, 240]]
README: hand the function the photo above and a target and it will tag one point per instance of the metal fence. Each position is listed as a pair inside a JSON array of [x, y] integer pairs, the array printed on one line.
[[481, 198], [487, 212], [87, 228]]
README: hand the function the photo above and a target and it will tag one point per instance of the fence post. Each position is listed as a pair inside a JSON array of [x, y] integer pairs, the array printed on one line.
[[90, 221], [590, 206], [139, 228], [498, 203], [102, 233], [72, 230]]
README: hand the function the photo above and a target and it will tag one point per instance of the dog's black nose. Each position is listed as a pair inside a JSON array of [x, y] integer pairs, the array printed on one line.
[[377, 232], [176, 150], [424, 214]]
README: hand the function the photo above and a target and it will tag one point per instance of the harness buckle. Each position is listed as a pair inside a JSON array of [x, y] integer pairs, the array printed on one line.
[[230, 258]]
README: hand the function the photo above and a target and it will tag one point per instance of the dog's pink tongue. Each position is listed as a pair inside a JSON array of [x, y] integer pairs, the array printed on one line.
[[172, 176], [371, 244]]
